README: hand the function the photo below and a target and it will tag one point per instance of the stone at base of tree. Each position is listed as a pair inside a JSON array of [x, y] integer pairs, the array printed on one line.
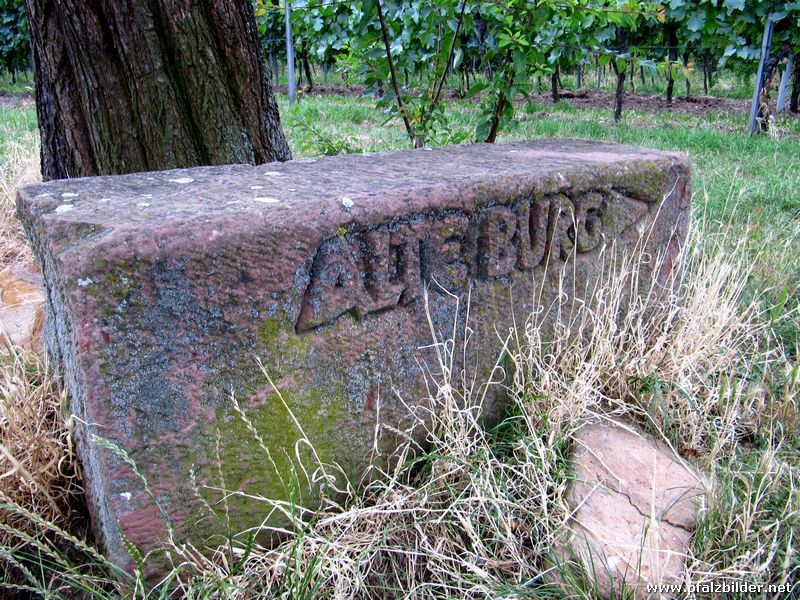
[[163, 289], [22, 307], [635, 504]]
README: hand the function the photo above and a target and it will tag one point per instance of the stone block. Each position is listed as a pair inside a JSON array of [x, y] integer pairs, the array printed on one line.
[[163, 289], [635, 506]]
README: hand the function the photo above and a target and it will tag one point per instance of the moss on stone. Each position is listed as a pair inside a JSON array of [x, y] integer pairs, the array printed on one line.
[[279, 473]]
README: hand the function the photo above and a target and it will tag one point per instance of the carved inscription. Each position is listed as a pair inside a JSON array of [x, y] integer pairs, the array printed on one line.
[[366, 272]]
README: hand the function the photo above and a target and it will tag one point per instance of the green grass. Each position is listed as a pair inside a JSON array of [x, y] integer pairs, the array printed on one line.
[[16, 124], [726, 85], [22, 83]]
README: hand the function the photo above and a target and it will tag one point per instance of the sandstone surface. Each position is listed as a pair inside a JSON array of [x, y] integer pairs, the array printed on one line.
[[22, 307], [163, 289], [636, 507]]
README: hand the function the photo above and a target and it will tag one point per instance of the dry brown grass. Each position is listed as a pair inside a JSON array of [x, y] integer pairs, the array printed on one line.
[[19, 165], [38, 468], [37, 461]]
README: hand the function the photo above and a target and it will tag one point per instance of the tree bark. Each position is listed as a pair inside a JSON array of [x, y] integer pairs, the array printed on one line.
[[495, 126], [480, 32], [273, 63], [622, 48], [554, 86], [620, 93], [398, 98], [795, 99], [672, 56], [705, 75], [688, 82], [307, 68], [125, 86], [500, 106], [770, 68]]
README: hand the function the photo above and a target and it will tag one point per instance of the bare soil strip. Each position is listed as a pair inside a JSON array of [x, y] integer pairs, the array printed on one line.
[[592, 99]]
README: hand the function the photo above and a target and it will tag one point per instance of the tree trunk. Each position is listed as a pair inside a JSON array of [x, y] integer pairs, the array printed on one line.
[[495, 125], [622, 48], [705, 75], [307, 68], [686, 74], [500, 106], [554, 85], [672, 56], [795, 99], [620, 93], [273, 61], [770, 68], [773, 62], [124, 86]]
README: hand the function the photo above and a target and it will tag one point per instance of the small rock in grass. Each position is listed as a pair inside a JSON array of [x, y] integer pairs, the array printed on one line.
[[22, 307], [635, 505]]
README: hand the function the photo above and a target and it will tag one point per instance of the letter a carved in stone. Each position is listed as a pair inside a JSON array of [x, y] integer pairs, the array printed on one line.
[[336, 285]]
